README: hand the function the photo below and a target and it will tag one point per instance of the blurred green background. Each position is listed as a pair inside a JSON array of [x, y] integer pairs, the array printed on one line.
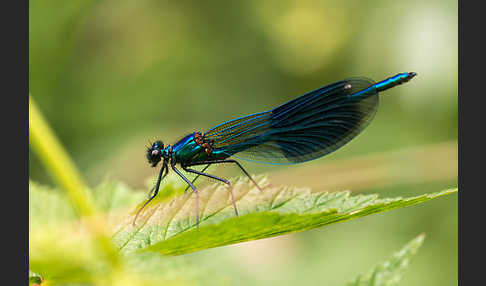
[[111, 75]]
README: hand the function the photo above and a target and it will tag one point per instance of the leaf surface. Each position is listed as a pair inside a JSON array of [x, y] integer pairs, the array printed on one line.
[[390, 272], [169, 227]]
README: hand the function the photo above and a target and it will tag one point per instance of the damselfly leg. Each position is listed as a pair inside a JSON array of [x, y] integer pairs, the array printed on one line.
[[193, 180], [216, 178], [156, 191], [194, 189], [226, 161]]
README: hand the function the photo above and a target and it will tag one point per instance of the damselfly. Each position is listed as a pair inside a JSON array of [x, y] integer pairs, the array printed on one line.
[[305, 128]]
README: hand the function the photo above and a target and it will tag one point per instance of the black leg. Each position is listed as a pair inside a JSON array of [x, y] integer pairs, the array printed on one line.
[[161, 176], [193, 180], [228, 161], [216, 178], [193, 189]]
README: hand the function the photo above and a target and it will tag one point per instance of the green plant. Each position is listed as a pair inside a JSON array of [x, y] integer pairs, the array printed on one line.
[[86, 236], [389, 272]]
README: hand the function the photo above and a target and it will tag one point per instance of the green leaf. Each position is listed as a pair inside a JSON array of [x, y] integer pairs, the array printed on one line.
[[47, 206], [50, 206], [63, 251], [34, 278], [390, 272], [168, 226]]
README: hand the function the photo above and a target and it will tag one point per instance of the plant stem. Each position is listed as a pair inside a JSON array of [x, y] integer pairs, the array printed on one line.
[[58, 162], [64, 171]]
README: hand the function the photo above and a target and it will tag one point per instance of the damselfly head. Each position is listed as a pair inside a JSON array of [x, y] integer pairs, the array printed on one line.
[[154, 153]]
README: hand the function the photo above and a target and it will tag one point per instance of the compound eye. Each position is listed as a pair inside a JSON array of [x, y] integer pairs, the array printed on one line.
[[158, 145], [155, 153]]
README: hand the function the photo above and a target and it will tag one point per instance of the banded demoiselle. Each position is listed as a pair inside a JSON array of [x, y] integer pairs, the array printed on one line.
[[303, 129]]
